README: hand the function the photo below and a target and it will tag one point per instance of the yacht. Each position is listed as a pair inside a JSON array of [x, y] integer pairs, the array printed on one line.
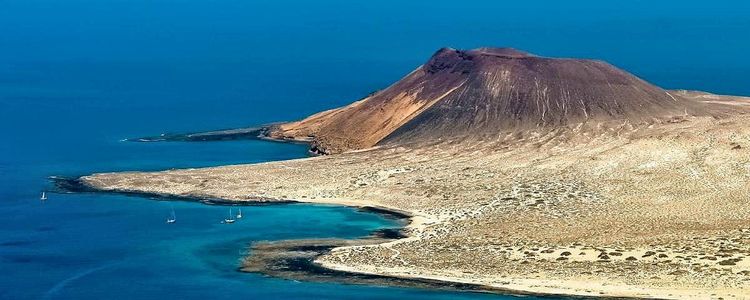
[[172, 218], [230, 220]]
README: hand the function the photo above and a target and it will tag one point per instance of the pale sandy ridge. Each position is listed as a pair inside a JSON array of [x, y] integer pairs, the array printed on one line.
[[583, 288]]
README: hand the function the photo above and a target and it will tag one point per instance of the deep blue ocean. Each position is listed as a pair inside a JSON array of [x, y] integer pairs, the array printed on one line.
[[78, 76]]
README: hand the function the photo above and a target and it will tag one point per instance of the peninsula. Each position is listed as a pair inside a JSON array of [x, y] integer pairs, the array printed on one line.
[[521, 173]]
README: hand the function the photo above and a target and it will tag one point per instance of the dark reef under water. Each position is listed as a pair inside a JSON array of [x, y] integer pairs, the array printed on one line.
[[295, 260]]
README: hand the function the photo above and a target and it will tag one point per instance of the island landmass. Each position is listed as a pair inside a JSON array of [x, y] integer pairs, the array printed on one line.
[[518, 173]]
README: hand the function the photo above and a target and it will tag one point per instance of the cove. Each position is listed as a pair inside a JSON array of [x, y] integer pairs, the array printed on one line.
[[97, 245]]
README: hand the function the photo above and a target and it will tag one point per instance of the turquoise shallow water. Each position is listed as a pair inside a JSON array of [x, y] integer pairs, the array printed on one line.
[[97, 246], [77, 76]]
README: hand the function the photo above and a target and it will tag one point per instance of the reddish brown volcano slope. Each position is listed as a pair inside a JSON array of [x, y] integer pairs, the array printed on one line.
[[487, 92]]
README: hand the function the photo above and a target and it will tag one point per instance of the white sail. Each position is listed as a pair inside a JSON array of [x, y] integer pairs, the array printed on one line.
[[231, 217], [172, 218]]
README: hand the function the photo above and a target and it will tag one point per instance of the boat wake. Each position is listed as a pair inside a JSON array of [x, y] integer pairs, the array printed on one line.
[[62, 284]]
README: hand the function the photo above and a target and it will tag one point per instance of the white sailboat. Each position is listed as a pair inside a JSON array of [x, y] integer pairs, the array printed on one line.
[[172, 218], [239, 215], [44, 196], [230, 220]]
